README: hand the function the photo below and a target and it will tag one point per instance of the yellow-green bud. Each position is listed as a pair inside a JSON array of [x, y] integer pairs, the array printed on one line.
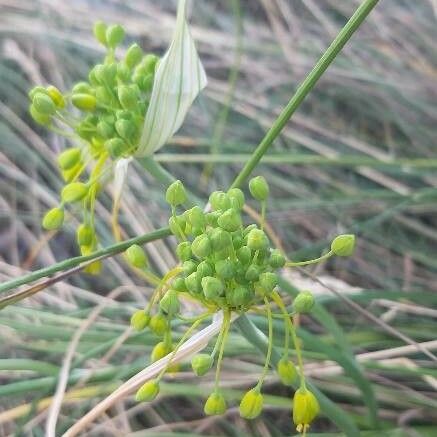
[[149, 63], [259, 188], [215, 404], [139, 320], [303, 302], [244, 254], [220, 239], [251, 405], [114, 35], [196, 217], [175, 194], [123, 72], [238, 296], [158, 324], [169, 303], [219, 200], [189, 267], [192, 283], [36, 90], [267, 281], [276, 260], [201, 246], [94, 268], [305, 409], [69, 158], [286, 371], [126, 129], [230, 220], [81, 87], [137, 257], [201, 364], [148, 391], [56, 96], [183, 251], [159, 351], [257, 240], [237, 198], [116, 147], [42, 119], [133, 55], [85, 102], [85, 235], [104, 129], [212, 287], [74, 192], [53, 219], [225, 269], [252, 273], [179, 285], [99, 31], [44, 104], [128, 96], [204, 269], [343, 245]]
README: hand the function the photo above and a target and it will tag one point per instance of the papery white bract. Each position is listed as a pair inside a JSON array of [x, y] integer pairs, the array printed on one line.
[[120, 173], [179, 78]]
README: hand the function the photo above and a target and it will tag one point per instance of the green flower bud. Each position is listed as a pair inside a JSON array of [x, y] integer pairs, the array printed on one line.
[[158, 324], [201, 246], [220, 239], [85, 235], [251, 405], [56, 96], [238, 297], [257, 240], [137, 257], [175, 194], [149, 63], [192, 282], [305, 409], [183, 251], [82, 88], [133, 55], [201, 363], [105, 130], [99, 31], [69, 158], [212, 217], [126, 129], [204, 269], [159, 351], [189, 267], [225, 269], [196, 217], [219, 200], [230, 220], [215, 404], [237, 198], [287, 371], [212, 287], [74, 192], [268, 281], [169, 303], [53, 219], [103, 95], [116, 147], [244, 254], [276, 260], [237, 240], [114, 35], [123, 72], [36, 90], [259, 188], [343, 245], [148, 391], [84, 102], [43, 104], [303, 302], [179, 285], [139, 320], [252, 273], [128, 96], [41, 119]]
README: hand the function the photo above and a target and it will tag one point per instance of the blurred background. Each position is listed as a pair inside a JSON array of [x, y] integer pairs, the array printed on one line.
[[359, 156]]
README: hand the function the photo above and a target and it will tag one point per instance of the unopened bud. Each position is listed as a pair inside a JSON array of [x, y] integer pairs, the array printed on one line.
[[276, 260], [303, 302], [343, 245], [159, 351], [169, 303], [85, 102], [128, 96], [158, 324], [74, 192], [85, 235], [175, 194], [237, 198], [286, 371], [148, 391], [183, 251], [43, 104], [201, 246], [114, 35], [230, 220], [56, 96], [99, 31], [139, 320], [259, 188], [305, 409], [69, 158], [137, 257], [53, 219], [212, 287], [251, 405], [215, 404], [257, 240], [201, 364], [133, 55]]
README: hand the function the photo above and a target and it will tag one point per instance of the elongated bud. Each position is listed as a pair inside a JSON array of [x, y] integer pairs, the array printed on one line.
[[201, 364], [137, 257], [169, 303], [158, 324], [69, 158], [42, 119], [123, 72], [259, 188], [305, 409], [215, 404], [237, 198], [128, 96], [212, 287], [53, 219], [175, 194], [343, 245], [56, 96], [85, 235], [74, 192], [251, 405], [201, 246], [44, 104], [286, 371], [85, 102], [230, 220], [276, 260], [99, 31], [114, 35], [159, 351], [148, 391], [133, 55], [139, 320], [257, 240], [303, 302]]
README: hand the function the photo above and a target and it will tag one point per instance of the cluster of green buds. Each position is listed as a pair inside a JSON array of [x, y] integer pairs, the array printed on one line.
[[230, 267], [103, 117]]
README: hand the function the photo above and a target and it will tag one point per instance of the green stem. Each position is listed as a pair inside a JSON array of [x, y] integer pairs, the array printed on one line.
[[311, 261], [73, 262], [307, 85], [226, 324], [269, 348]]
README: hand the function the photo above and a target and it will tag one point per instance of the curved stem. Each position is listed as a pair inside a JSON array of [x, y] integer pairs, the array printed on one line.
[[311, 261]]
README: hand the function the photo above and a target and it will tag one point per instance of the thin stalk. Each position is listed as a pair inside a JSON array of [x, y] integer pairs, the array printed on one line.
[[269, 348], [310, 261]]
